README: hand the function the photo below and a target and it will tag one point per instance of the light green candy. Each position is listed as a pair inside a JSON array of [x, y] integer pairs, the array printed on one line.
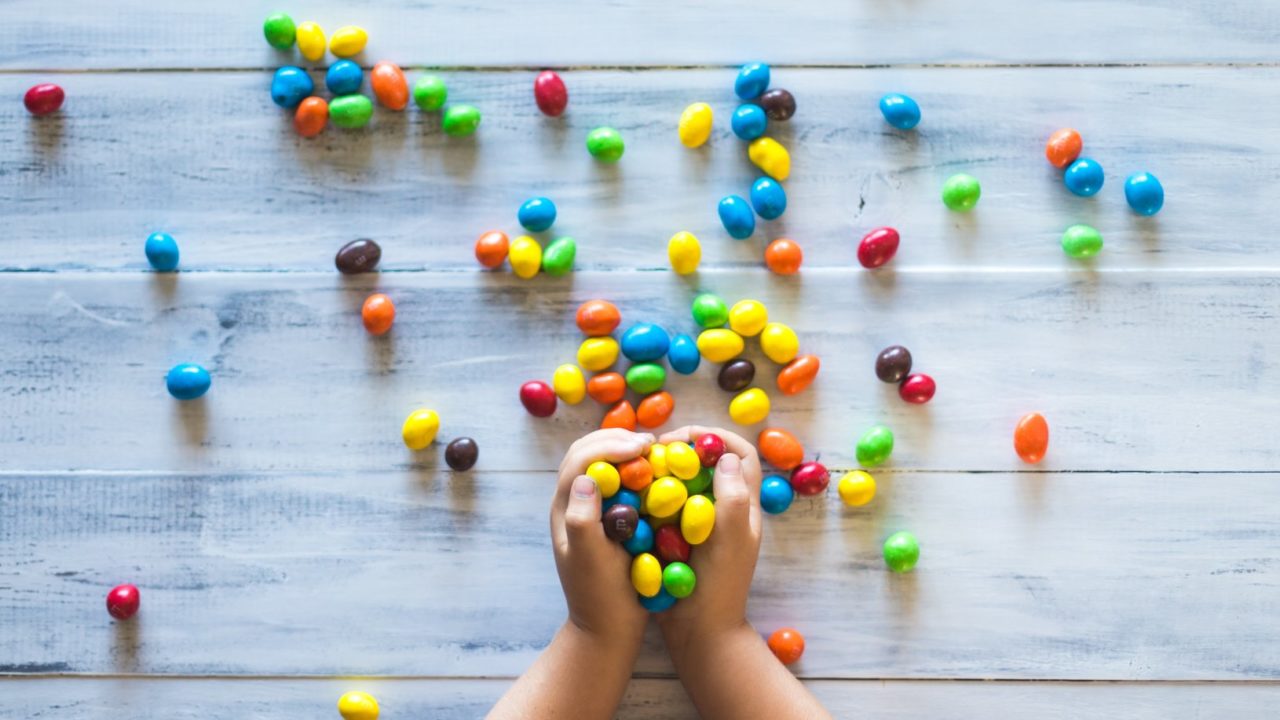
[[351, 111], [901, 551], [280, 31], [429, 92], [700, 482], [709, 311], [961, 192], [605, 144], [461, 120], [557, 258], [645, 378], [1081, 241], [679, 580], [875, 446]]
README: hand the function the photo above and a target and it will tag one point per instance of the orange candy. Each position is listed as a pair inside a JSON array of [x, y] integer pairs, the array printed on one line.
[[310, 117], [1064, 147], [621, 415], [491, 248], [1031, 438], [798, 374], [636, 474], [780, 448], [787, 645], [607, 388], [598, 317], [783, 256], [378, 313], [389, 85], [655, 409]]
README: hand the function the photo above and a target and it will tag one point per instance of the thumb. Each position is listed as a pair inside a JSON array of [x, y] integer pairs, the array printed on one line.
[[582, 516], [733, 497]]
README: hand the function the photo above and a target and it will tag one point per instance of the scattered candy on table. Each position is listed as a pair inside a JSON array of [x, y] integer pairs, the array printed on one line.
[[1031, 438], [737, 217], [461, 454], [783, 256], [348, 41], [695, 125], [810, 478], [1063, 148], [917, 389], [378, 314], [645, 377], [655, 409], [748, 317], [537, 214], [390, 86], [709, 311], [311, 116], [420, 428], [749, 407], [900, 111], [875, 446], [558, 256], [279, 30], [162, 252], [525, 255], [787, 644], [749, 121], [779, 448], [550, 93], [684, 252], [607, 388], [597, 353], [736, 375], [778, 104], [645, 342], [683, 354], [460, 120], [798, 374], [779, 343], [358, 706], [290, 86], [538, 398], [621, 415], [311, 40], [893, 364], [878, 247], [1144, 193], [344, 77], [719, 344], [768, 198], [856, 488], [597, 317], [44, 99], [350, 112], [901, 551], [776, 494], [430, 93], [770, 156], [187, 381], [123, 602], [1081, 242], [492, 247], [358, 256], [569, 384], [960, 192], [1084, 177], [752, 80], [605, 144]]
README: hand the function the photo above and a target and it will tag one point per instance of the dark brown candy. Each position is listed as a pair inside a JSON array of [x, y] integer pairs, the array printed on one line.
[[778, 104], [893, 363], [358, 256], [736, 375], [461, 454], [620, 522]]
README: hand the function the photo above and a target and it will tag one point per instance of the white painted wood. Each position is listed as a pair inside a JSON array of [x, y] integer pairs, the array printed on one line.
[[209, 158]]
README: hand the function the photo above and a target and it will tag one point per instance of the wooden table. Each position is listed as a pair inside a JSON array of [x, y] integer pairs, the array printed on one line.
[[289, 548]]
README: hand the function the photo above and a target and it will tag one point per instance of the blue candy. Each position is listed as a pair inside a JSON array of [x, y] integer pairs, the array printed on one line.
[[642, 540], [187, 381], [344, 78], [749, 121], [768, 198], [656, 604], [622, 497], [290, 86], [900, 111], [775, 494], [645, 342], [753, 80], [683, 354], [162, 252], [1084, 177], [1144, 193], [537, 214], [736, 216]]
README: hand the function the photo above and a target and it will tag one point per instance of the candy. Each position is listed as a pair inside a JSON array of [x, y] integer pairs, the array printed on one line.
[[550, 93], [644, 342], [659, 603], [187, 381], [605, 144], [961, 192], [344, 77], [358, 706], [607, 388], [768, 198], [670, 546], [900, 111], [1081, 242], [461, 454], [875, 446], [810, 478], [719, 345], [311, 116], [557, 258], [358, 256], [348, 41], [606, 476], [749, 407], [893, 363], [279, 31], [736, 375], [878, 247], [856, 488], [783, 256], [389, 85], [290, 85], [621, 415], [736, 216], [538, 398], [378, 313], [901, 551], [597, 353], [350, 112], [917, 389], [636, 474], [644, 378], [1031, 438], [684, 252], [642, 539], [700, 482], [620, 523], [682, 460], [787, 645], [709, 448], [597, 317], [778, 104], [161, 251], [568, 383], [123, 601], [310, 40], [622, 497], [658, 460], [753, 79], [695, 125], [775, 494], [43, 99], [779, 343], [430, 93], [749, 121], [770, 156], [683, 354], [667, 495], [491, 248], [709, 311], [526, 258], [1063, 147], [1144, 193], [537, 214], [779, 448], [420, 428], [460, 120], [678, 579], [798, 374], [1084, 177], [748, 317]]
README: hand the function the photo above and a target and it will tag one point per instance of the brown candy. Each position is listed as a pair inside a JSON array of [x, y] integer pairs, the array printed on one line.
[[358, 256], [461, 454], [778, 104], [736, 375], [620, 522], [893, 363]]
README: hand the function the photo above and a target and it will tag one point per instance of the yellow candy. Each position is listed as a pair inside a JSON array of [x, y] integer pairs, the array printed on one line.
[[719, 345], [658, 460], [310, 41], [597, 353], [748, 317], [646, 574], [683, 461], [685, 252], [857, 488], [525, 255], [779, 343], [606, 477], [569, 384], [350, 40], [749, 407], [697, 520], [420, 429], [769, 155], [358, 706], [695, 125], [666, 497]]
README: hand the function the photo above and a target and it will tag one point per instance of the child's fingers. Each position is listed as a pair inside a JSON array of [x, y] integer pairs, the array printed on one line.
[[582, 514], [733, 496], [612, 444], [733, 443]]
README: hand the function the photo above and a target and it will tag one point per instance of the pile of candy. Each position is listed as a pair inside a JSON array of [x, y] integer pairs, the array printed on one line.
[[526, 254], [893, 365]]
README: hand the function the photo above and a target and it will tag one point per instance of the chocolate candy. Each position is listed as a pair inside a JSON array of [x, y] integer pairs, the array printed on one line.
[[684, 252], [620, 523], [557, 258], [1081, 242], [44, 99], [678, 579], [1144, 193], [736, 375], [655, 410], [460, 120], [749, 121], [537, 214], [768, 198], [670, 546], [461, 454], [550, 93], [683, 354], [290, 85], [856, 488], [605, 144], [961, 192], [430, 93], [311, 42], [279, 31], [350, 112], [538, 398], [900, 111], [1031, 438], [875, 446], [389, 85], [787, 645], [1063, 148], [162, 252], [878, 247], [187, 381], [917, 389], [642, 540], [358, 706], [798, 374], [783, 256], [492, 248], [1084, 177], [736, 216], [348, 41], [776, 494], [645, 342], [123, 601], [810, 478], [621, 415], [748, 317], [358, 256], [420, 428], [901, 551], [709, 311], [770, 156], [344, 77], [778, 104], [311, 116], [749, 407], [709, 448], [378, 313], [893, 363], [753, 79], [597, 317], [695, 125], [779, 448]]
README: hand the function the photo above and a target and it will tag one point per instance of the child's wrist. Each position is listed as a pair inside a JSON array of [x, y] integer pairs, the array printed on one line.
[[686, 644], [610, 641]]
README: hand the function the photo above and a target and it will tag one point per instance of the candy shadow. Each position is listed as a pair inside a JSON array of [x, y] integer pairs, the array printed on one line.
[[968, 228], [903, 594], [193, 417], [1147, 228], [125, 644], [880, 284], [460, 155], [47, 132], [381, 351], [164, 285]]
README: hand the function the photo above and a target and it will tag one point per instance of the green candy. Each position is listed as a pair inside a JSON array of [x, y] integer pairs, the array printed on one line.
[[557, 258], [280, 31], [700, 482], [350, 111], [961, 192], [605, 144], [430, 93], [709, 311], [645, 378], [1081, 241], [461, 120], [901, 551], [875, 446], [679, 579]]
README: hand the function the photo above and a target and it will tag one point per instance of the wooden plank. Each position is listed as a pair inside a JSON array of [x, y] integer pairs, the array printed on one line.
[[131, 155], [1059, 576], [142, 34]]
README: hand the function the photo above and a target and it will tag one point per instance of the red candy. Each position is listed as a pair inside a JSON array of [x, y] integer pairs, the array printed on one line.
[[810, 478], [878, 247], [670, 546], [123, 602], [44, 99], [918, 389], [538, 398], [709, 448], [550, 93]]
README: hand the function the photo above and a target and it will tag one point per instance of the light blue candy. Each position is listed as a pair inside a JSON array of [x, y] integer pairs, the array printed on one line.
[[737, 217], [900, 111], [749, 121], [344, 78], [656, 604], [776, 494], [752, 81], [537, 214], [187, 381], [622, 497], [683, 354], [1144, 193], [290, 86], [162, 252], [1084, 177], [642, 540], [768, 198], [645, 342]]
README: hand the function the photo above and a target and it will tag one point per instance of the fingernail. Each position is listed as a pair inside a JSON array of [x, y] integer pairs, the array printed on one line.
[[584, 487], [729, 463]]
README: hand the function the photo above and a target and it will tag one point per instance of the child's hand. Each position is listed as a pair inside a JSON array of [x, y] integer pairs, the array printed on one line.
[[595, 572]]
